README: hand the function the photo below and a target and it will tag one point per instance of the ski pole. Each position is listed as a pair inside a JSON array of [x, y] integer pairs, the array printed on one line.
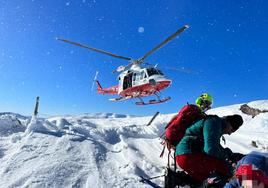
[[147, 179], [150, 122]]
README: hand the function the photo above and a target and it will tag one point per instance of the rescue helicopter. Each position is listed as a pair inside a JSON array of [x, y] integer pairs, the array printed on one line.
[[136, 79]]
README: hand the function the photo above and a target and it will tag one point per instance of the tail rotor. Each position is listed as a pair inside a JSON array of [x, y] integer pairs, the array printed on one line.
[[94, 80]]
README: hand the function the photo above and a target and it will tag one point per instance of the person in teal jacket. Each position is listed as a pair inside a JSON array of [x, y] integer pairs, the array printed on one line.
[[200, 153]]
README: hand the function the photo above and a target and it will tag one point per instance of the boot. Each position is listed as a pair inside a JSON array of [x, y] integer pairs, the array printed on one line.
[[215, 180], [176, 179]]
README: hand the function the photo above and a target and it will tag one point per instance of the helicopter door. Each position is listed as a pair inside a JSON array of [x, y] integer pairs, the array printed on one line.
[[136, 79], [127, 81]]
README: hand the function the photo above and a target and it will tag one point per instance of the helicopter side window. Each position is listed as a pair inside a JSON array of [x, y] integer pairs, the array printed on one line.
[[138, 76], [141, 75], [134, 77], [153, 71]]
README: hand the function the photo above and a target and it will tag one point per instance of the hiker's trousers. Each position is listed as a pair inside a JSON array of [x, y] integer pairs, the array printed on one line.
[[200, 165]]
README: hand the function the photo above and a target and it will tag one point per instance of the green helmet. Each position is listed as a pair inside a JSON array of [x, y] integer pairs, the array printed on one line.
[[204, 101]]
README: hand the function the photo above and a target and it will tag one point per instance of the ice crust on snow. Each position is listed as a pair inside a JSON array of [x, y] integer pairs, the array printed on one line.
[[102, 149]]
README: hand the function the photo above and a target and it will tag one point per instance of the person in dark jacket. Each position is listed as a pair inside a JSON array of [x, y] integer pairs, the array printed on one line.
[[200, 153]]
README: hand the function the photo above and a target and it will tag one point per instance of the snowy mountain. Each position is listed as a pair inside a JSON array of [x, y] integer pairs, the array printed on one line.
[[100, 150]]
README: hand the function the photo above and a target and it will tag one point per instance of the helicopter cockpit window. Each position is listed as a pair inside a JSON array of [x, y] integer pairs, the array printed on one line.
[[153, 71], [160, 72]]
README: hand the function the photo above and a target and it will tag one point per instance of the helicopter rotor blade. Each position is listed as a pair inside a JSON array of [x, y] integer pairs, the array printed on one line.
[[164, 42], [94, 49]]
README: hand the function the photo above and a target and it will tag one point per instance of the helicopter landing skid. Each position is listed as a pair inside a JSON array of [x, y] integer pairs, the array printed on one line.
[[120, 99], [154, 101]]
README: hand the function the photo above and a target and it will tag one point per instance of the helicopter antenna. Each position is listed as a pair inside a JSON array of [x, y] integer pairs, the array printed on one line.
[[163, 43], [94, 49], [95, 78]]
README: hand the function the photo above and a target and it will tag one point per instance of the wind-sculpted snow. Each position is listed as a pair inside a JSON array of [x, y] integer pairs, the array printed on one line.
[[106, 150], [14, 115], [10, 124]]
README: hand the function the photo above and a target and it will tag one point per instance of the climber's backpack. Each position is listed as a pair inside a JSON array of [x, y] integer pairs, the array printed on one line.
[[175, 129]]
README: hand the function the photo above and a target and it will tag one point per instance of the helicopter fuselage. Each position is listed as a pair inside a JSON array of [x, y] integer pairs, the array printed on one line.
[[140, 82]]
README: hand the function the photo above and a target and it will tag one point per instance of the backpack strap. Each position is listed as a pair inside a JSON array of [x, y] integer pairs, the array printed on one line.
[[164, 143], [164, 147], [174, 155]]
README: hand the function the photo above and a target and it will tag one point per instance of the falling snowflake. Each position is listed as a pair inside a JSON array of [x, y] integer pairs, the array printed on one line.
[[141, 29], [211, 24], [67, 3]]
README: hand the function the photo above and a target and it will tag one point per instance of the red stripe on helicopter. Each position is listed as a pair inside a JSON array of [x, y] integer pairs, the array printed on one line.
[[145, 89]]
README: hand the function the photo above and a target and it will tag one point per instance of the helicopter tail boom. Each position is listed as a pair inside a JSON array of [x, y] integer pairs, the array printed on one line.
[[110, 90]]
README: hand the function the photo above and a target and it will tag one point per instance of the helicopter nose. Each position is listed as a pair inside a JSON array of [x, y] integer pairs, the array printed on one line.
[[168, 82], [163, 84]]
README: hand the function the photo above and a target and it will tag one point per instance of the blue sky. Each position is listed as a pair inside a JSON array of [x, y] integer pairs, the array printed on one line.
[[226, 43]]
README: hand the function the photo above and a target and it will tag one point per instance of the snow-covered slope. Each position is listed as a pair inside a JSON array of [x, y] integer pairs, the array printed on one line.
[[100, 150]]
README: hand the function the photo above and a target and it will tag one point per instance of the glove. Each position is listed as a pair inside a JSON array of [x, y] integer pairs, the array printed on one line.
[[232, 158]]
